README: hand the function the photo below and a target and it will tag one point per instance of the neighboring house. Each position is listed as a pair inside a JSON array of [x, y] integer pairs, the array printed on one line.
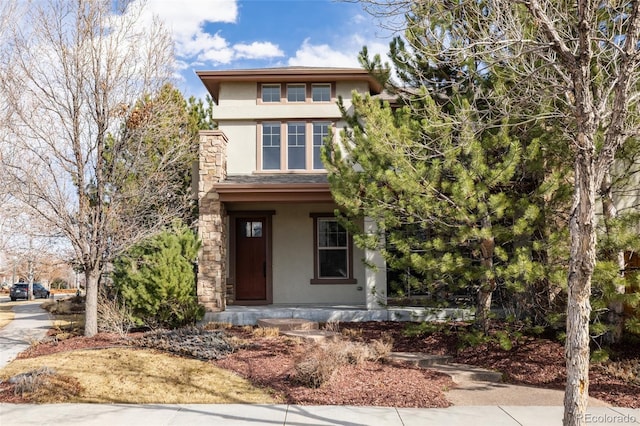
[[266, 214]]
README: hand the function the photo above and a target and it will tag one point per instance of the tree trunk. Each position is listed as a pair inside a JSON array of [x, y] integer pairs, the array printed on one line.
[[483, 307], [581, 266], [485, 293], [91, 303]]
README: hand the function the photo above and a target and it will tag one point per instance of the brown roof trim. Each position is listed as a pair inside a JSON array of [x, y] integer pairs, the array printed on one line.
[[212, 79], [308, 192]]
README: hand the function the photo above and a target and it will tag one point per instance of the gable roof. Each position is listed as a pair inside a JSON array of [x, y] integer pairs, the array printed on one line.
[[212, 79]]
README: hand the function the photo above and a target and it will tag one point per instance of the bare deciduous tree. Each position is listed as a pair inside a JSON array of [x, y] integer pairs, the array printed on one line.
[[579, 61], [73, 77]]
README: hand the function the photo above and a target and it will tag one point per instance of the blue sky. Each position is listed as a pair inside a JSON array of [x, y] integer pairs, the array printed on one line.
[[237, 34]]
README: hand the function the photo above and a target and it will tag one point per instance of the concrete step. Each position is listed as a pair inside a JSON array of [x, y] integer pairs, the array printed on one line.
[[462, 373], [459, 373], [287, 324], [419, 359], [312, 335]]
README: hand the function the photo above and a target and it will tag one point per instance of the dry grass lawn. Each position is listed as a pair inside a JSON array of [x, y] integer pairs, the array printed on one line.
[[6, 314], [138, 376], [124, 375]]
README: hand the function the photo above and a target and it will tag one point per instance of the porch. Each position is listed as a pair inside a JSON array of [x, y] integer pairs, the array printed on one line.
[[249, 315]]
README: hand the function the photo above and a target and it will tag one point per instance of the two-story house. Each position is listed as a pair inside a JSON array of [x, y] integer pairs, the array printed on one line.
[[266, 214]]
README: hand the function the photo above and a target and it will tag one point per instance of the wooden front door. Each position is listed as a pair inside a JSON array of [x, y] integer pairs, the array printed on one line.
[[251, 259]]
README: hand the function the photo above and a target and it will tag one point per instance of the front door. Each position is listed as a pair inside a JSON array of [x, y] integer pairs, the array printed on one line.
[[251, 259]]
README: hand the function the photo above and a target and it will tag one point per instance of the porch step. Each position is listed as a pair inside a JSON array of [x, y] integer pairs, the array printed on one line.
[[287, 324]]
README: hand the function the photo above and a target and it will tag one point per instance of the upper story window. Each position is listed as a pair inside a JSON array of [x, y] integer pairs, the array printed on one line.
[[320, 133], [293, 145], [321, 92], [270, 93], [271, 146], [296, 146], [296, 92]]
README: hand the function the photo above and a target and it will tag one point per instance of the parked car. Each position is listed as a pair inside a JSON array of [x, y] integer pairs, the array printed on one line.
[[21, 290]]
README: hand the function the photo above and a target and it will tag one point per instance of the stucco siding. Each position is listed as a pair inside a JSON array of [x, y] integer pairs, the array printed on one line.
[[628, 198], [293, 251], [236, 94], [241, 149], [346, 88], [244, 110]]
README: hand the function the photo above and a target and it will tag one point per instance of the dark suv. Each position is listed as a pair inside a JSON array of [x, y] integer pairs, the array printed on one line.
[[21, 290]]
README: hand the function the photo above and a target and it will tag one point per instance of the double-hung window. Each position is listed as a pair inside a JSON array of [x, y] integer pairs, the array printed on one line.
[[332, 252], [271, 146], [293, 146], [320, 133], [296, 146]]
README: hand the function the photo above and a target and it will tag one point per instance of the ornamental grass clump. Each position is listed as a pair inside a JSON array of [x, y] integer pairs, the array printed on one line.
[[320, 362], [45, 385]]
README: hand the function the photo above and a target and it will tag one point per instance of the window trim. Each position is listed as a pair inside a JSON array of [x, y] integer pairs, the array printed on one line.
[[260, 156], [303, 147], [284, 145], [284, 96], [260, 93], [316, 266], [312, 124], [305, 91], [332, 93]]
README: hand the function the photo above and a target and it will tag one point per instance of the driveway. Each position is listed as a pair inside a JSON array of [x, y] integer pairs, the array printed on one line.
[[29, 325]]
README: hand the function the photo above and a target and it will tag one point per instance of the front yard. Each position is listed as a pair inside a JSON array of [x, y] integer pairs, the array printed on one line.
[[223, 364]]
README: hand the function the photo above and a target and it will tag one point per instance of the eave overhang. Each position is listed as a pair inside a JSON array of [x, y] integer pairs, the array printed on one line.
[[289, 193], [213, 79]]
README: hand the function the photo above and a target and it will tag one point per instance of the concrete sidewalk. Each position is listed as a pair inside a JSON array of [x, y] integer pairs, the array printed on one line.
[[234, 414], [30, 324]]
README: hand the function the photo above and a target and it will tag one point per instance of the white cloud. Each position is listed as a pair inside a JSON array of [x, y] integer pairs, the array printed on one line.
[[202, 42], [258, 50], [186, 20], [322, 55], [358, 19], [374, 45], [344, 55], [221, 56]]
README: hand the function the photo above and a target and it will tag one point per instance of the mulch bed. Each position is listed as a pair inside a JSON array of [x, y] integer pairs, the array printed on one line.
[[268, 362], [531, 361]]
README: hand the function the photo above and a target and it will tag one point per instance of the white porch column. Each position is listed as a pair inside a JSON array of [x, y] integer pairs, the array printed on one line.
[[375, 272]]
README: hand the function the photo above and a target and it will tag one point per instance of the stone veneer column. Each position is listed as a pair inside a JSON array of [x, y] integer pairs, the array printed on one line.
[[212, 227]]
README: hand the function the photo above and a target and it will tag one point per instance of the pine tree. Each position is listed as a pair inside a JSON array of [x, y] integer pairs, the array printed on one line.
[[154, 155], [201, 113], [156, 279], [449, 202], [471, 203], [576, 62]]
